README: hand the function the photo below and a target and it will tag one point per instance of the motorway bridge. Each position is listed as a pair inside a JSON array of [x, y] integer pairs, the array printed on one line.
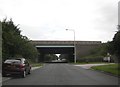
[[65, 47]]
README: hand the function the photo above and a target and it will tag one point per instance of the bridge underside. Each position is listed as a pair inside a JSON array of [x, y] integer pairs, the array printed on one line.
[[67, 51]]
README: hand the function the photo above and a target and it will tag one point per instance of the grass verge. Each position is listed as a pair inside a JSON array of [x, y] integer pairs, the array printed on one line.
[[111, 68], [36, 64], [91, 62]]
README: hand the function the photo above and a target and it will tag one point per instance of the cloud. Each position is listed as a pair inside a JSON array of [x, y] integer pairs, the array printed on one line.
[[119, 13], [48, 19]]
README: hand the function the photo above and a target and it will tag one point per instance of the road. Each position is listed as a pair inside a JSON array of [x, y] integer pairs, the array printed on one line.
[[63, 74]]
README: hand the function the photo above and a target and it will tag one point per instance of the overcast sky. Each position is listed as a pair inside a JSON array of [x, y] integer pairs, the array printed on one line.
[[92, 20]]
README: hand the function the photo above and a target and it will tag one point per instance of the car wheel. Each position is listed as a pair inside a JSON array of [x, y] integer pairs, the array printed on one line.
[[24, 74], [29, 72]]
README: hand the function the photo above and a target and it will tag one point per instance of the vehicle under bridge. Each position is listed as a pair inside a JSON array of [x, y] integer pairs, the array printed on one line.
[[65, 48]]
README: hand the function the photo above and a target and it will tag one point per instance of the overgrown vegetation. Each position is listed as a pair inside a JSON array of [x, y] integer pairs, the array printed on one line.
[[112, 47], [14, 44], [96, 55]]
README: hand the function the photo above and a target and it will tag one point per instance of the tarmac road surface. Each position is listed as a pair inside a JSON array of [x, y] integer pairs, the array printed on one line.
[[63, 74]]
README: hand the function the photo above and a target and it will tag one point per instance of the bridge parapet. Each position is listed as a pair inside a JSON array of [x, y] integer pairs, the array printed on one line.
[[40, 42]]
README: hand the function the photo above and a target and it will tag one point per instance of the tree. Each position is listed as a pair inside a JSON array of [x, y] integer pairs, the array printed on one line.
[[14, 44], [114, 45], [50, 57], [10, 33]]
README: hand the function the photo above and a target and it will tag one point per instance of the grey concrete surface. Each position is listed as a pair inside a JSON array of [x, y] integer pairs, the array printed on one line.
[[63, 74], [88, 66]]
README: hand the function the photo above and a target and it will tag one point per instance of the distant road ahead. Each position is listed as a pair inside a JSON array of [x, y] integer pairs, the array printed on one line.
[[64, 74]]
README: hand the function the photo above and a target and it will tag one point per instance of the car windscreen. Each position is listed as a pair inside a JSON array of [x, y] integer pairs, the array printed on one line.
[[13, 61]]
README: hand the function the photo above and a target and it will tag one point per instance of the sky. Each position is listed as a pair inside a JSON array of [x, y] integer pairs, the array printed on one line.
[[92, 20]]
